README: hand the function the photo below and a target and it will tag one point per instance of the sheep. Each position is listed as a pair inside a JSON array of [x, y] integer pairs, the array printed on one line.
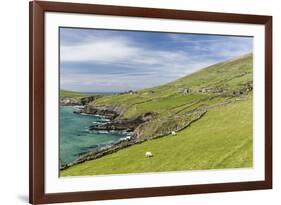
[[173, 133], [148, 154]]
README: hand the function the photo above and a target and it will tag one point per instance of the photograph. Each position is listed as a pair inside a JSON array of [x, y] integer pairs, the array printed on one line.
[[133, 101]]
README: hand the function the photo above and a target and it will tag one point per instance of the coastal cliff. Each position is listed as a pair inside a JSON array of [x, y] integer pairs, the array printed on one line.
[[72, 101]]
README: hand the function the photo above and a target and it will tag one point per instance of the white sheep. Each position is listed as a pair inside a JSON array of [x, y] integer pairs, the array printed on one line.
[[173, 133], [148, 154]]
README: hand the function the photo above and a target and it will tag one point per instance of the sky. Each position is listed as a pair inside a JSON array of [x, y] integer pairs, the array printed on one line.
[[94, 60]]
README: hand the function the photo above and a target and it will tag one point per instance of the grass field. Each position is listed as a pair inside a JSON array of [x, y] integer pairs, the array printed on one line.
[[211, 110], [221, 139]]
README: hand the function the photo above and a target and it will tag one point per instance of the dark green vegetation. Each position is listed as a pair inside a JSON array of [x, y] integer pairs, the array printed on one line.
[[211, 111]]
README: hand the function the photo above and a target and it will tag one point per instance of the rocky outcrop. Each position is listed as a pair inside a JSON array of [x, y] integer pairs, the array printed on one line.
[[87, 100], [124, 124], [69, 101], [161, 127], [72, 101], [106, 112]]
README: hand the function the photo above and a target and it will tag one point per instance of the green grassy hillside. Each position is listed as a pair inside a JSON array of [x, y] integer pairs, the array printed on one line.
[[180, 102], [211, 110], [68, 93], [221, 139]]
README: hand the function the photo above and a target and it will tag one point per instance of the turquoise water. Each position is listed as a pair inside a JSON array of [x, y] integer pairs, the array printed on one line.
[[76, 138]]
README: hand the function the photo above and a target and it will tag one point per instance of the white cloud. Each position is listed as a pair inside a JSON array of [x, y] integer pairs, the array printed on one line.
[[145, 67], [122, 51], [96, 50]]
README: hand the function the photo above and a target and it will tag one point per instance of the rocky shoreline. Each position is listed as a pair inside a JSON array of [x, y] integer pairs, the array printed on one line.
[[103, 111], [72, 101], [128, 125], [135, 127], [113, 123], [101, 152]]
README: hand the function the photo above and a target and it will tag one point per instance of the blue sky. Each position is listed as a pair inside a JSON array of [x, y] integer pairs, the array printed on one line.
[[94, 60]]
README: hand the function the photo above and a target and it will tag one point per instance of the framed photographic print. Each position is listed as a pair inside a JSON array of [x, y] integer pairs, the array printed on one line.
[[138, 102]]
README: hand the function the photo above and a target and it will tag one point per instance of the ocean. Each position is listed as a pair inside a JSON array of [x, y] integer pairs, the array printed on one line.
[[76, 138]]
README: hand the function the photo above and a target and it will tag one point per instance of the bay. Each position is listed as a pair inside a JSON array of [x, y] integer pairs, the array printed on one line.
[[76, 138]]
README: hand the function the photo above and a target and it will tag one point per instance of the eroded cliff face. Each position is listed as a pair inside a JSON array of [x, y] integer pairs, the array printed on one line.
[[106, 111], [128, 125]]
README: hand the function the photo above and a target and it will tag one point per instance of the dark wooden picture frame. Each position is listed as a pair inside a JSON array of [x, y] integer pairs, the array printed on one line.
[[37, 193]]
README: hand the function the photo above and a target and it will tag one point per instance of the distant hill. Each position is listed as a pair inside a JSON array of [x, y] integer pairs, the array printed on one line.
[[68, 93], [210, 110], [216, 84]]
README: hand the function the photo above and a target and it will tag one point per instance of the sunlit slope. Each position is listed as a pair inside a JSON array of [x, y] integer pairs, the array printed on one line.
[[228, 77], [211, 111], [179, 103], [220, 139]]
